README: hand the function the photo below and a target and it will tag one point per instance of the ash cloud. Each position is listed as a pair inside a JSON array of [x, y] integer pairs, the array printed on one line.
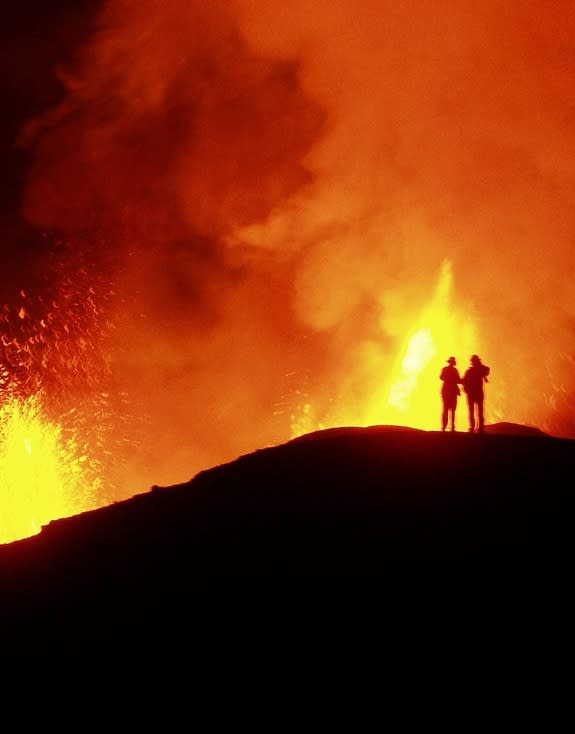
[[272, 182]]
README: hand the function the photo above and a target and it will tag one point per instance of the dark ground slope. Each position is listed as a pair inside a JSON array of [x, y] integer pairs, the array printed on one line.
[[344, 576]]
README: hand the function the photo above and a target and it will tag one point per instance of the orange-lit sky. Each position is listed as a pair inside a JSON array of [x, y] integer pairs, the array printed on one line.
[[273, 198]]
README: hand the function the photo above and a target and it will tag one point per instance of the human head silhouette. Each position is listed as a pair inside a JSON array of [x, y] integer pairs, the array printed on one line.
[[452, 360], [475, 359]]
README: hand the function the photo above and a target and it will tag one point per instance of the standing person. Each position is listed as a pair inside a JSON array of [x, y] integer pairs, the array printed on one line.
[[449, 392], [473, 380]]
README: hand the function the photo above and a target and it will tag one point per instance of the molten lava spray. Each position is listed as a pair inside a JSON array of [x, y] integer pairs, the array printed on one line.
[[310, 207]]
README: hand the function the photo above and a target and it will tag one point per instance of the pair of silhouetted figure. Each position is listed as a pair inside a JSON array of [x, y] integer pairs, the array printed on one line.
[[473, 379]]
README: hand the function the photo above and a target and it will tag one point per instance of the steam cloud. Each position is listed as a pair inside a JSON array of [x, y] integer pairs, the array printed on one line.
[[276, 186]]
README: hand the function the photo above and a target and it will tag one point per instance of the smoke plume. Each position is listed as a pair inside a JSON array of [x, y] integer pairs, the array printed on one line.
[[274, 189]]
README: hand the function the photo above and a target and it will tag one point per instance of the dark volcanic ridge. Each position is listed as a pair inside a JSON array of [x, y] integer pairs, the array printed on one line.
[[349, 576], [331, 502]]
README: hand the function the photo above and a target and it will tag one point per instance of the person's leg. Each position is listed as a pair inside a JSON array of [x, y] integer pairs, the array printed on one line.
[[444, 417], [452, 415], [471, 406], [480, 415]]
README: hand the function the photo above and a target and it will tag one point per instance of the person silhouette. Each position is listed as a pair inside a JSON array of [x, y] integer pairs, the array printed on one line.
[[449, 392], [473, 379]]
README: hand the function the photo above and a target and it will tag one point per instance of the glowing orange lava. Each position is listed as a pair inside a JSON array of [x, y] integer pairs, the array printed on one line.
[[42, 473]]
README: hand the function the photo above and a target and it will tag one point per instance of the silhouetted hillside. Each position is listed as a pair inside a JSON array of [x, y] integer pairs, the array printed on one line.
[[348, 575]]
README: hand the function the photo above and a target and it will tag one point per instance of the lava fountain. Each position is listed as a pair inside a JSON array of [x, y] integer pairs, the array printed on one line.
[[42, 472], [403, 390], [52, 406]]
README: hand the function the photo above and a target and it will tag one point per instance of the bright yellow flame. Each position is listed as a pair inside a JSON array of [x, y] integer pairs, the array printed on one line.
[[420, 351], [407, 392], [40, 474], [412, 394]]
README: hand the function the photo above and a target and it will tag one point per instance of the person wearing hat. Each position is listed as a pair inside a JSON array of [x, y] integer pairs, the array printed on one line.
[[449, 393], [473, 379]]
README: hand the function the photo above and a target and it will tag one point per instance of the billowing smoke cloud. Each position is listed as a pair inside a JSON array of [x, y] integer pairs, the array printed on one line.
[[276, 187], [450, 136]]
